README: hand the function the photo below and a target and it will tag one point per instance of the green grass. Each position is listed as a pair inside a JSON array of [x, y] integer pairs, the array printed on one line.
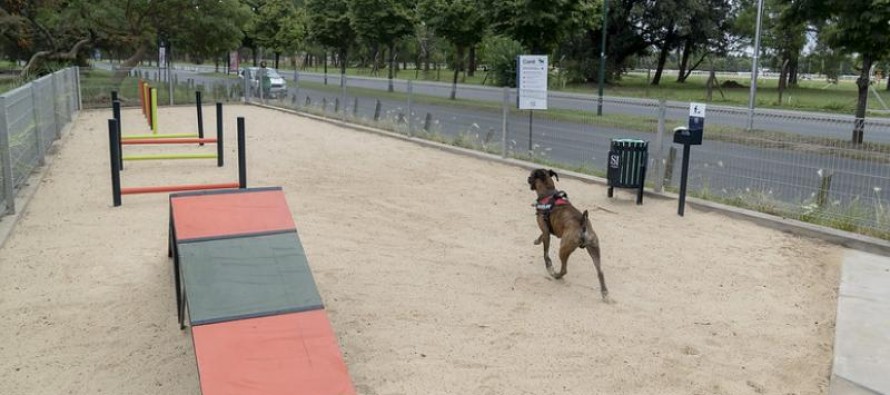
[[808, 95], [875, 152]]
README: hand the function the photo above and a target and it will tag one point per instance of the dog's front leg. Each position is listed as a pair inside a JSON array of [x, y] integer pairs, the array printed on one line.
[[545, 237]]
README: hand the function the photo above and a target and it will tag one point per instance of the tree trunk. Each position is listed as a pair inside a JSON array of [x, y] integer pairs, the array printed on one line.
[[684, 61], [392, 63], [662, 59], [128, 64], [471, 67], [255, 56], [343, 56], [862, 104], [793, 71], [458, 61], [325, 60], [783, 79], [277, 57]]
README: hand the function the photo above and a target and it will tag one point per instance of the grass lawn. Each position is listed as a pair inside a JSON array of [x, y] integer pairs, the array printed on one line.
[[809, 95]]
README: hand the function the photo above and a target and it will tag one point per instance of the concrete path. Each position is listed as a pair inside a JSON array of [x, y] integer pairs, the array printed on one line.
[[862, 335]]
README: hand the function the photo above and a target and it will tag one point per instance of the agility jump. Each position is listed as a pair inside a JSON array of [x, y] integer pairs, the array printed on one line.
[[115, 150], [167, 139], [148, 100]]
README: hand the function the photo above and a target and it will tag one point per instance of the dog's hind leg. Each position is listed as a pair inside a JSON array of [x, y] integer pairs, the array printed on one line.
[[594, 251], [565, 249]]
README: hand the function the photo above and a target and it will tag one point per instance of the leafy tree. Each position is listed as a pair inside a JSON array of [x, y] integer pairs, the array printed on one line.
[[278, 26], [329, 25], [499, 54], [539, 25], [856, 26], [459, 21], [382, 22], [216, 28]]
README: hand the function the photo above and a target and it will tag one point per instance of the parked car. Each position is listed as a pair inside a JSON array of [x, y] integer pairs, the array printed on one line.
[[277, 87]]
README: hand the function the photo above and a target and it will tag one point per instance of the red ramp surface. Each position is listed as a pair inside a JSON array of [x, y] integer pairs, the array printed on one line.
[[230, 213], [290, 354]]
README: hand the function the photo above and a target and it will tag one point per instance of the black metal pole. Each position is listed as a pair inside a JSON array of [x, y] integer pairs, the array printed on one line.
[[530, 120], [113, 96], [200, 116], [219, 135], [242, 156], [683, 176], [114, 149], [116, 111]]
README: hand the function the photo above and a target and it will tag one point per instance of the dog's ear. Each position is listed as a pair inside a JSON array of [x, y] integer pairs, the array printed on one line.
[[553, 174]]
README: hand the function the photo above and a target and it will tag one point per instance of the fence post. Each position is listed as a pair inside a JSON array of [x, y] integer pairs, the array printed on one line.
[[77, 83], [410, 108], [505, 112], [38, 139], [343, 96], [658, 158], [58, 126], [6, 159]]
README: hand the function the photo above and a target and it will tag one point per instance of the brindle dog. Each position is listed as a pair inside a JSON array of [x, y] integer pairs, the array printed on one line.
[[557, 216]]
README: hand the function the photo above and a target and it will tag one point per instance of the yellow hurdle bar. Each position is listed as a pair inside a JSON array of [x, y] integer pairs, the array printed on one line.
[[160, 136], [169, 156]]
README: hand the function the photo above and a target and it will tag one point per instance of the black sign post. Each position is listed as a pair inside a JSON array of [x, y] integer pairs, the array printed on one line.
[[689, 136]]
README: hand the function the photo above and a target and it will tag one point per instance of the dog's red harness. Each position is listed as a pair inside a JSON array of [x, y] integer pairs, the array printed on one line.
[[546, 204]]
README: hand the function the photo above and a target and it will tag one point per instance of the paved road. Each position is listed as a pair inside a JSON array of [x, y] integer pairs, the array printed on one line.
[[718, 168]]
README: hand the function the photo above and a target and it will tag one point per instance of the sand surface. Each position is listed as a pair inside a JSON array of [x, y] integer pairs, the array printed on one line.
[[425, 262]]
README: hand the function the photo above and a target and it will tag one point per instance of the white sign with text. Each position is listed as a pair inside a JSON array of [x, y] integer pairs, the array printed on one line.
[[532, 81]]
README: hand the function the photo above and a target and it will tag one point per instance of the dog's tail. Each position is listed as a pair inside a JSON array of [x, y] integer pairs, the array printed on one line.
[[584, 221]]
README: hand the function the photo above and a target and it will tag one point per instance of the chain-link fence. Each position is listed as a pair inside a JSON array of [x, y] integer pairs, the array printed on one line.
[[793, 164], [32, 117]]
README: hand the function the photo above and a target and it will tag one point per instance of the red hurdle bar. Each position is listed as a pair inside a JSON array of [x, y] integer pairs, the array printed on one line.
[[178, 188]]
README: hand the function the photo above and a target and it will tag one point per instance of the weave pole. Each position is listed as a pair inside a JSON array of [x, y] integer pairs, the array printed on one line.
[[200, 115], [219, 134], [116, 111], [242, 155], [114, 149]]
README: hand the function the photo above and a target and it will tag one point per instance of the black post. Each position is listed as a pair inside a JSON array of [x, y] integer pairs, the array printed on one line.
[[219, 135], [114, 149], [242, 156], [683, 176], [116, 111], [377, 111], [530, 119], [113, 96], [200, 116]]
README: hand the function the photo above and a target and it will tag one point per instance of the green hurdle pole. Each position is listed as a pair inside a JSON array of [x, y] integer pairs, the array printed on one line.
[[169, 156], [154, 111]]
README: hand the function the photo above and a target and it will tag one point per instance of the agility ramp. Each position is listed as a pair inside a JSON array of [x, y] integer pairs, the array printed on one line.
[[258, 322]]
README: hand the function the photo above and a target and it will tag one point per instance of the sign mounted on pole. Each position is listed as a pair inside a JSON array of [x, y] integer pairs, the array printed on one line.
[[532, 81]]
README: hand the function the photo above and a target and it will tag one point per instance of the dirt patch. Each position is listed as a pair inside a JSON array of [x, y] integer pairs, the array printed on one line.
[[426, 265]]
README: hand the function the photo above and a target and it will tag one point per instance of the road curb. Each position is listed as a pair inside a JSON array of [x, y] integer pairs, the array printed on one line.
[[796, 227]]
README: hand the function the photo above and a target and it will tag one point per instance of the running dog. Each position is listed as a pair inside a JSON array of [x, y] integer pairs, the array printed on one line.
[[557, 216]]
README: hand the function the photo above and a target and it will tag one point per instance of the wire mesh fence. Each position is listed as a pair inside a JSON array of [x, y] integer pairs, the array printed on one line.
[[793, 164], [32, 117]]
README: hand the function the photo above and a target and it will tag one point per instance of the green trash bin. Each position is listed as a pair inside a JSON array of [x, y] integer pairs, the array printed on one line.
[[627, 165]]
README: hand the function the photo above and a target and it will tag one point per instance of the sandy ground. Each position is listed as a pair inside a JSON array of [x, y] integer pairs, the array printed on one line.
[[426, 264]]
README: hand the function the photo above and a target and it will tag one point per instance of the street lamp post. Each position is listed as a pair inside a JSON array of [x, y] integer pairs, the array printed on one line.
[[602, 79], [755, 67]]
